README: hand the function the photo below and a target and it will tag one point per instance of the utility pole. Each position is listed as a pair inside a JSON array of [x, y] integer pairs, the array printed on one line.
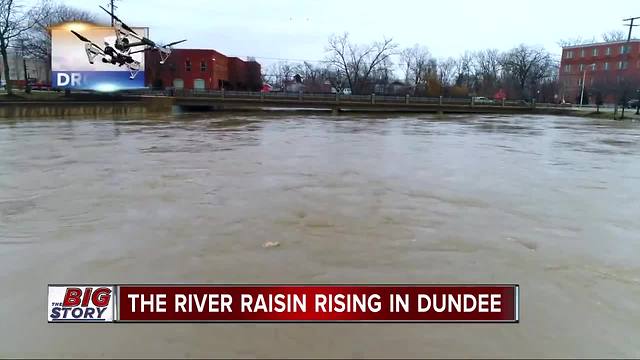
[[630, 25], [625, 56], [27, 86], [113, 7]]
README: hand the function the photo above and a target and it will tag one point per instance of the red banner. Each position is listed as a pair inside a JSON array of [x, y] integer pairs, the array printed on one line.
[[314, 303]]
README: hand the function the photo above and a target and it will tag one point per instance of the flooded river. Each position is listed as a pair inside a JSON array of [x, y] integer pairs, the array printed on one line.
[[550, 203]]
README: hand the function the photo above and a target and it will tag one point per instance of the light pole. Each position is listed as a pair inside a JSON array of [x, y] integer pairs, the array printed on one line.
[[213, 72], [584, 77]]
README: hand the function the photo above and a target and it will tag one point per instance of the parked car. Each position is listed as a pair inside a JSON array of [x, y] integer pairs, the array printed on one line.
[[482, 100], [633, 103]]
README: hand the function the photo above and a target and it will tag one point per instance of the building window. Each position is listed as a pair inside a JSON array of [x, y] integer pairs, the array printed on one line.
[[593, 67], [595, 52], [622, 65], [569, 54], [608, 51], [581, 52], [624, 49], [187, 65], [203, 66], [581, 67], [567, 68], [606, 66]]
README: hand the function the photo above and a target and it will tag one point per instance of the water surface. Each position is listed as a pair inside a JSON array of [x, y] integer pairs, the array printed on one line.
[[550, 203]]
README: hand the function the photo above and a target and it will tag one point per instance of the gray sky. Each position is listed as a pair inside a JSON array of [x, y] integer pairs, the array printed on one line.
[[298, 29]]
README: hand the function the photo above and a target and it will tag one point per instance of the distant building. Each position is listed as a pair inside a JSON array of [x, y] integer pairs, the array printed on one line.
[[609, 69], [37, 69], [202, 69]]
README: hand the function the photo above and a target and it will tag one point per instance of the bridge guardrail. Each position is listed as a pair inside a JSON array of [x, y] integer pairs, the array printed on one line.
[[337, 98]]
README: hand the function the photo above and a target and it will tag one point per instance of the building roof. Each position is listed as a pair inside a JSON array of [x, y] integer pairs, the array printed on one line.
[[601, 43]]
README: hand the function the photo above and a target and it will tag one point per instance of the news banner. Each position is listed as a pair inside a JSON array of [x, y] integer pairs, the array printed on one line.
[[283, 303]]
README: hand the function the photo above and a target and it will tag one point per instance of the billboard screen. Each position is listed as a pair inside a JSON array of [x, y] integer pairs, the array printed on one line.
[[70, 66]]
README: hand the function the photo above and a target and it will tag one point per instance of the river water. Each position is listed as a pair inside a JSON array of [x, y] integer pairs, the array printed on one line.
[[550, 203]]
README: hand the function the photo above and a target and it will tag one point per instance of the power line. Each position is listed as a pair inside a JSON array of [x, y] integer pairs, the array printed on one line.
[[281, 59]]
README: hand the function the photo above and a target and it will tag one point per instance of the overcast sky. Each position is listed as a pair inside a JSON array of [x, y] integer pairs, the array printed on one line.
[[298, 29]]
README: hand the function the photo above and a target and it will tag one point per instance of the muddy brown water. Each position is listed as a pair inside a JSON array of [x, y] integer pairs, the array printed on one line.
[[550, 203]]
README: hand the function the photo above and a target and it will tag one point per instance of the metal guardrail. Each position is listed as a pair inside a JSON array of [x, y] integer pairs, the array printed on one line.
[[342, 98]]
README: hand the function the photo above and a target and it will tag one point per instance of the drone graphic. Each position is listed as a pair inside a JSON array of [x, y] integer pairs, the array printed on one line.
[[124, 32], [119, 52], [110, 55]]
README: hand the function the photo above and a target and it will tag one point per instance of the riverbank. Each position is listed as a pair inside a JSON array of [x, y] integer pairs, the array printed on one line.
[[629, 114], [42, 104], [85, 105]]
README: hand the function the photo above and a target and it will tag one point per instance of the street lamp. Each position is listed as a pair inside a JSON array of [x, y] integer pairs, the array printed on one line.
[[584, 76], [213, 72]]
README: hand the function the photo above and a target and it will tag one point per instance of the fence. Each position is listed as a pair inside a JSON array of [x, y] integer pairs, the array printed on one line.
[[342, 98]]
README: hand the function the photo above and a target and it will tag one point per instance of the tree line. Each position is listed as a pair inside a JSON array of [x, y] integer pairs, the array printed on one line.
[[383, 67], [523, 72]]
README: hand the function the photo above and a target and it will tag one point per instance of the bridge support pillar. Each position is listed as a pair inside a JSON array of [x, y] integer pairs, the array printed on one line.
[[373, 98], [440, 101], [406, 99]]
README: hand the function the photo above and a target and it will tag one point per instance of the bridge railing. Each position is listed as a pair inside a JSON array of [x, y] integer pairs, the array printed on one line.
[[339, 98]]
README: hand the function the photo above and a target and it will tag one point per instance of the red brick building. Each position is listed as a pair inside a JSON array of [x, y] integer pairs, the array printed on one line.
[[610, 70], [202, 69]]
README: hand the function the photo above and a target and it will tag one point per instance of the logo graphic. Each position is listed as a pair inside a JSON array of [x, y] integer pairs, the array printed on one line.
[[81, 303], [91, 61]]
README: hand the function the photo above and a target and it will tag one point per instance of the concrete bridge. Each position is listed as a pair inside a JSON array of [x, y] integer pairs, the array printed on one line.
[[150, 101], [338, 102]]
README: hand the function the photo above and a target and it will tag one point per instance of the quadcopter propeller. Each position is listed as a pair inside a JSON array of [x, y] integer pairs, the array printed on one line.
[[81, 37], [139, 51], [174, 43], [124, 26]]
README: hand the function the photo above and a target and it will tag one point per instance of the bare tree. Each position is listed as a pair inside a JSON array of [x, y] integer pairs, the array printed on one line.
[[527, 65], [445, 70], [38, 39], [417, 65], [280, 73], [613, 35], [357, 62], [463, 67], [487, 66], [15, 20], [575, 41]]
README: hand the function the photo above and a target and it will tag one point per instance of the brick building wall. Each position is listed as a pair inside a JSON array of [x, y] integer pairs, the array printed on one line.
[[201, 69], [608, 68]]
